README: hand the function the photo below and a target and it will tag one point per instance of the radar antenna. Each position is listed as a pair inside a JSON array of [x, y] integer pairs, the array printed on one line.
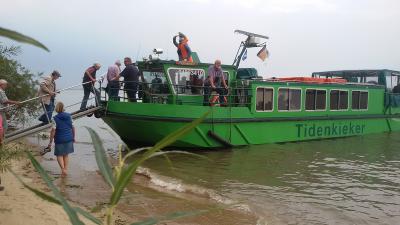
[[251, 41]]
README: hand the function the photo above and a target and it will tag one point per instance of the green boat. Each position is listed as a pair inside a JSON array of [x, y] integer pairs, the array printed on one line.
[[328, 104]]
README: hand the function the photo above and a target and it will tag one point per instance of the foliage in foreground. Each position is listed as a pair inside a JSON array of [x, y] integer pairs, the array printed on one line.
[[21, 80], [117, 179], [9, 152], [13, 35], [22, 84]]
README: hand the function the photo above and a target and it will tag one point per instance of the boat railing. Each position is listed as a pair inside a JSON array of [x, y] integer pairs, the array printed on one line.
[[160, 93]]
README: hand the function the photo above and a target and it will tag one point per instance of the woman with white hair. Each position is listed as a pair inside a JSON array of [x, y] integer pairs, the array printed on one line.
[[4, 102]]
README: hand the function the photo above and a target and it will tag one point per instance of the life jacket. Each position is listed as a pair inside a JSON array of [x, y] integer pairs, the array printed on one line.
[[184, 52]]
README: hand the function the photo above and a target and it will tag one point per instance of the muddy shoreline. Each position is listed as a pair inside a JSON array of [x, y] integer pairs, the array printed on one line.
[[143, 199]]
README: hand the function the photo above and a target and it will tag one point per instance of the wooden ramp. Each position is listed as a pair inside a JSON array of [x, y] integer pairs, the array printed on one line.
[[41, 127]]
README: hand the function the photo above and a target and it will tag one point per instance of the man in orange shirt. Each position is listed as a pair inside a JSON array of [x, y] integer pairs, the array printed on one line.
[[184, 51]]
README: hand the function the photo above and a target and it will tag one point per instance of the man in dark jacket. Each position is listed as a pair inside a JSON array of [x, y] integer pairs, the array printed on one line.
[[131, 79], [396, 89]]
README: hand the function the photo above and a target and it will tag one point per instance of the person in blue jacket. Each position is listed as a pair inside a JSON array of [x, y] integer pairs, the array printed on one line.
[[63, 134]]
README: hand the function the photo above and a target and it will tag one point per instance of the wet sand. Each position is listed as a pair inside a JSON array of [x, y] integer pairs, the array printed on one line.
[[85, 186], [19, 206]]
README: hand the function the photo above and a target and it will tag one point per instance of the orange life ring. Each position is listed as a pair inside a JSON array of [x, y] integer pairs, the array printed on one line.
[[312, 80]]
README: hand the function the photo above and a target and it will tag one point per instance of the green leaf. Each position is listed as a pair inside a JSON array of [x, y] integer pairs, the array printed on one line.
[[127, 174], [67, 208], [171, 216], [37, 192], [133, 152], [150, 221], [51, 199], [169, 162], [88, 216], [101, 158], [21, 38]]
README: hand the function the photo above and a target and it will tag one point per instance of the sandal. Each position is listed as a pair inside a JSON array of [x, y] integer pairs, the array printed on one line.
[[45, 150]]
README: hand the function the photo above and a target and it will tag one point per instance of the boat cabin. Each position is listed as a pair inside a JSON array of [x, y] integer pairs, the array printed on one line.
[[180, 83]]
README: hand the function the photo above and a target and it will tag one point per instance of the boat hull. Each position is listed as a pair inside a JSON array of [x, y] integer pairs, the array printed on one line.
[[146, 124]]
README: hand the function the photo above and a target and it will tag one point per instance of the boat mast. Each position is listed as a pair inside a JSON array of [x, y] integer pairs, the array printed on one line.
[[250, 42]]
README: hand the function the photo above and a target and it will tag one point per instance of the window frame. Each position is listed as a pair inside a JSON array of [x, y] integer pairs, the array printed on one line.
[[289, 110], [273, 99], [149, 82], [315, 100], [359, 100], [174, 85], [348, 98]]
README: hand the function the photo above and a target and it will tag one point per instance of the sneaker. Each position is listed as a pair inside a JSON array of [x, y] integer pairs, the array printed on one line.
[[45, 150], [1, 188]]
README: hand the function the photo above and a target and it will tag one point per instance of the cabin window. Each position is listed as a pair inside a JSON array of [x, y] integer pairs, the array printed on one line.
[[289, 99], [155, 82], [359, 100], [339, 100], [315, 99], [264, 99], [371, 80], [187, 81]]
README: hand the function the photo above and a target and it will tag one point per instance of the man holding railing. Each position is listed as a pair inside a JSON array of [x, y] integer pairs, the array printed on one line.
[[4, 102], [88, 82], [215, 82], [47, 94]]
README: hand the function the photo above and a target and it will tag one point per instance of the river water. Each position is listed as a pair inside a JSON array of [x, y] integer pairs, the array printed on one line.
[[352, 180]]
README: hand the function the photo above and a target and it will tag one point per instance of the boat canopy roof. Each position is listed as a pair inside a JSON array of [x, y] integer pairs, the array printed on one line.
[[357, 73], [387, 78]]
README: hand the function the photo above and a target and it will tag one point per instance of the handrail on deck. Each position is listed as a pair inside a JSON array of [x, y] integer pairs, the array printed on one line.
[[144, 90]]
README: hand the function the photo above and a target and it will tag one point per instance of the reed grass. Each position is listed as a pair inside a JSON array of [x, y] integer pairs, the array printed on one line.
[[117, 179]]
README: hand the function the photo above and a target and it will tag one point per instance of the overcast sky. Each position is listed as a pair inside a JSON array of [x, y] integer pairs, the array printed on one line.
[[305, 35]]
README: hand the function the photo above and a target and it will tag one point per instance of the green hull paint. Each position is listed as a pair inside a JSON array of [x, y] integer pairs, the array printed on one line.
[[146, 124]]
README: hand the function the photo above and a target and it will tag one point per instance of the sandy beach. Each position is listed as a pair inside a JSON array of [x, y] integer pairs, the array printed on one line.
[[86, 188], [19, 206]]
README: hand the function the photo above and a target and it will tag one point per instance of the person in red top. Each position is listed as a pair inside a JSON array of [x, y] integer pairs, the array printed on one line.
[[184, 51]]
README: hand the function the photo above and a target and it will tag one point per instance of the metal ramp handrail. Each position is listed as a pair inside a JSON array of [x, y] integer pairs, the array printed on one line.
[[37, 128], [40, 127], [57, 91]]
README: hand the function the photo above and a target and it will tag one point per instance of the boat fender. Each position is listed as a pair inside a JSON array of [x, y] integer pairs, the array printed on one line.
[[219, 139]]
